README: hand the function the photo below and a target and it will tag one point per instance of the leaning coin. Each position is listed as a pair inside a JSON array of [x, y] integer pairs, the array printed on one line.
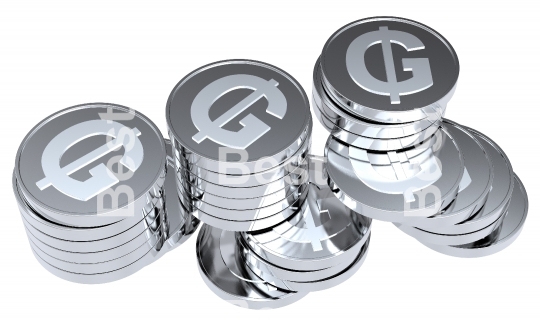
[[359, 69], [220, 269], [408, 191], [325, 235], [475, 184], [320, 284], [500, 238], [217, 113], [499, 195], [65, 165]]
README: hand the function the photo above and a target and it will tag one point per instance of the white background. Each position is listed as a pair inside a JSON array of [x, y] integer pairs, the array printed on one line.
[[55, 54]]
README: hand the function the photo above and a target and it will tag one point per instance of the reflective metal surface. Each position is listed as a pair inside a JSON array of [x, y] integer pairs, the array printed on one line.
[[323, 244], [410, 189], [111, 252], [361, 69], [219, 106], [502, 236], [72, 162]]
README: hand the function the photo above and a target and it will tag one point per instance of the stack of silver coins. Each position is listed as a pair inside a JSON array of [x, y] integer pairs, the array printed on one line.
[[381, 86], [90, 182], [321, 246], [242, 132]]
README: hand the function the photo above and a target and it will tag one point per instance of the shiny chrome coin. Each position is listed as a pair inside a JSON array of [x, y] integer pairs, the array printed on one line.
[[343, 274], [331, 112], [503, 236], [499, 195], [389, 69], [236, 106], [375, 144], [91, 165], [228, 278], [233, 221], [474, 188], [409, 190], [326, 234]]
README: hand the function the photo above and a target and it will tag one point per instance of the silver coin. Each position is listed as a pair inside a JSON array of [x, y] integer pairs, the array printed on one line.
[[239, 204], [110, 247], [475, 185], [500, 238], [256, 263], [356, 125], [112, 276], [130, 249], [499, 194], [449, 240], [180, 224], [219, 108], [360, 67], [408, 191], [319, 284], [88, 264], [176, 226], [375, 144], [229, 223], [233, 221], [219, 266], [125, 230], [319, 238], [199, 187], [235, 178], [65, 165]]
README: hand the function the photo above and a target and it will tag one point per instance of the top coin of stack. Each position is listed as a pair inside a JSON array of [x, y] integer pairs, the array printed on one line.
[[383, 83], [241, 131], [89, 184]]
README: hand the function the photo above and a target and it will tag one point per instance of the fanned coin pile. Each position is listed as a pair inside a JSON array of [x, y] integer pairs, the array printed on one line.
[[102, 193], [392, 157]]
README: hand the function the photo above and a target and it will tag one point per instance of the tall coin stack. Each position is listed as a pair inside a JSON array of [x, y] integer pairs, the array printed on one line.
[[241, 131], [89, 181], [381, 86]]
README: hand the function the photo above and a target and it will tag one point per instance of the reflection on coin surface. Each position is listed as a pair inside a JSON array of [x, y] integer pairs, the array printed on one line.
[[237, 105], [219, 266], [72, 163], [390, 69], [500, 238], [413, 186]]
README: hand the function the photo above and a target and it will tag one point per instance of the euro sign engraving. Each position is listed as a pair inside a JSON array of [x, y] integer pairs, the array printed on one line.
[[102, 178], [253, 128], [356, 65]]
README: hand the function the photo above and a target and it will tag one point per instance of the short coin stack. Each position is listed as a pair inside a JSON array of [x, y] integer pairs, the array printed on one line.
[[391, 156], [241, 131], [321, 246], [89, 181]]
